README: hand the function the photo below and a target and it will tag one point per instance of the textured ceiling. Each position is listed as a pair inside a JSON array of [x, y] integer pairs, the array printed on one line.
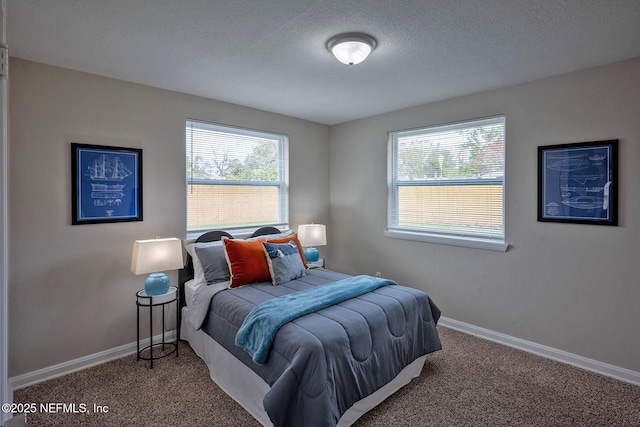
[[271, 54]]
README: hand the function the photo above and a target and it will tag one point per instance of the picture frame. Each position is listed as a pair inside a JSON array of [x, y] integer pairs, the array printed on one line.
[[106, 184], [578, 183]]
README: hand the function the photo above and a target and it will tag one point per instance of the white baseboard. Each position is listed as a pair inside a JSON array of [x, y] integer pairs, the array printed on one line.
[[612, 371], [44, 374]]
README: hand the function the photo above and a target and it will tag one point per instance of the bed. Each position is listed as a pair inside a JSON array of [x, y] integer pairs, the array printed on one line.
[[324, 368]]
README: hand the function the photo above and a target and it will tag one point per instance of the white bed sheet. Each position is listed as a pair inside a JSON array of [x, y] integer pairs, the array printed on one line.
[[247, 388], [189, 292]]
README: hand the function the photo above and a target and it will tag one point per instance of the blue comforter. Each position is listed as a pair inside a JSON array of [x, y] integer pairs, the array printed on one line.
[[320, 364], [263, 322]]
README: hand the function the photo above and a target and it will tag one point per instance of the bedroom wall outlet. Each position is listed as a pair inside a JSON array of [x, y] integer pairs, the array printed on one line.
[[378, 274]]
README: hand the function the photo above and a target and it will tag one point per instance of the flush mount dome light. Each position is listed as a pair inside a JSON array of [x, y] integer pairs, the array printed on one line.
[[351, 48]]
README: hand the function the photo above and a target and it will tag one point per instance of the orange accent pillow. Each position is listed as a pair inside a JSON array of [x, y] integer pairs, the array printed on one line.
[[247, 261]]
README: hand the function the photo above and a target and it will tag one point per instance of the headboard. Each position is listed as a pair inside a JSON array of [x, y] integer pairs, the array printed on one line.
[[186, 274]]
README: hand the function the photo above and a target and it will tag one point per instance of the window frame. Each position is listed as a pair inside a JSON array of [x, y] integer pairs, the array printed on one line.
[[282, 184], [435, 235]]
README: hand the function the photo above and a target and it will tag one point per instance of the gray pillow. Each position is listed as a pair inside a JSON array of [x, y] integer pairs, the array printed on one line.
[[214, 264]]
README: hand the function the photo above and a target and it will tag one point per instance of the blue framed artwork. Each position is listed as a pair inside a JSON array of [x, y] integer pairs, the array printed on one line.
[[106, 184], [578, 183]]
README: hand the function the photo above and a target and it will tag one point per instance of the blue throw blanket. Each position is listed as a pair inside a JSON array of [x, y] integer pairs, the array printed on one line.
[[263, 322]]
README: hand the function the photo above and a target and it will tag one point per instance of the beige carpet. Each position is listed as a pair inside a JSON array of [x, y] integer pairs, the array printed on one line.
[[471, 382]]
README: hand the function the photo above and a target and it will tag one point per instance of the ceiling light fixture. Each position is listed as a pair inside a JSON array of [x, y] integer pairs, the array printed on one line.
[[352, 48]]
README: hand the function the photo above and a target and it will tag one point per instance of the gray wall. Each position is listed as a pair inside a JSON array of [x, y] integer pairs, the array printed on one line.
[[71, 291], [568, 286], [572, 287]]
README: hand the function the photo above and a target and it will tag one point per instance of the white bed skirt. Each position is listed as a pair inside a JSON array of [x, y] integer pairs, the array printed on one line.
[[247, 388]]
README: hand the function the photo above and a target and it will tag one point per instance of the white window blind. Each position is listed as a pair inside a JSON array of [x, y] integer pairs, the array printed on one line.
[[236, 178], [448, 180]]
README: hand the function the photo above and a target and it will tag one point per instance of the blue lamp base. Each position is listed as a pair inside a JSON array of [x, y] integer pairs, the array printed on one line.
[[156, 284], [311, 254]]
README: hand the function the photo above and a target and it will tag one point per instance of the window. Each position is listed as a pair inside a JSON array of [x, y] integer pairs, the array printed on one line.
[[236, 178], [446, 184]]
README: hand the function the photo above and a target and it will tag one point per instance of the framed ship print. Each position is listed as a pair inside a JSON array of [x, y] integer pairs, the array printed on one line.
[[578, 183], [106, 184]]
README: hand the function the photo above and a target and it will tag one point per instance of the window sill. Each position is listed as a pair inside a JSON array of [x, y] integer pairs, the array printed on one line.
[[466, 242]]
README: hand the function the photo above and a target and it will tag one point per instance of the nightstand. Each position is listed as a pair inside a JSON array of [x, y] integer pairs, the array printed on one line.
[[316, 264], [150, 301]]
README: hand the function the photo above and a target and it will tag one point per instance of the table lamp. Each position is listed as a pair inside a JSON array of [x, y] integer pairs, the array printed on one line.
[[156, 256], [311, 235]]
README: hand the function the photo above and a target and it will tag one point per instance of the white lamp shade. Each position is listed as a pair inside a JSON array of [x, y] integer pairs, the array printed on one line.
[[156, 255], [312, 234]]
